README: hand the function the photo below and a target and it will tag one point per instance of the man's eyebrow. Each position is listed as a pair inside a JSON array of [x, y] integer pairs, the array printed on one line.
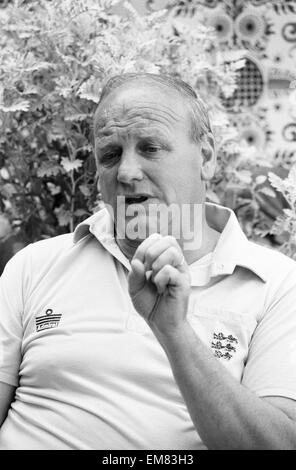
[[105, 142], [102, 147]]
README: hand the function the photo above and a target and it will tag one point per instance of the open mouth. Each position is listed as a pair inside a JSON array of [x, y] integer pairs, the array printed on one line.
[[135, 199]]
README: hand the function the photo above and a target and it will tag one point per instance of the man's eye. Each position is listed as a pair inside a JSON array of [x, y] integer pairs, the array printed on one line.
[[110, 157], [150, 148]]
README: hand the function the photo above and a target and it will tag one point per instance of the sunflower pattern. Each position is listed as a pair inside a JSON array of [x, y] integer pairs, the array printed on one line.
[[249, 26], [223, 26], [266, 31]]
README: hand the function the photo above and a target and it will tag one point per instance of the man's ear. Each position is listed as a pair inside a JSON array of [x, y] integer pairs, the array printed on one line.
[[208, 154]]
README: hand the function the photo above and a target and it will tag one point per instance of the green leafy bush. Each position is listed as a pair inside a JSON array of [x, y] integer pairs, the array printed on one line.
[[285, 224]]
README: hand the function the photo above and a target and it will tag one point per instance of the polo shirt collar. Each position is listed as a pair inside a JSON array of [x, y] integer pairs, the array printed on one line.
[[101, 226], [233, 248]]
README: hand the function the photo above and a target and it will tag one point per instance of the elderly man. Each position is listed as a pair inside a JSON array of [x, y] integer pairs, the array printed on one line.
[[132, 334]]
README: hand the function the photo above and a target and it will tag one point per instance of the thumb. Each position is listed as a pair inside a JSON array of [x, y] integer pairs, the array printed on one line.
[[136, 277]]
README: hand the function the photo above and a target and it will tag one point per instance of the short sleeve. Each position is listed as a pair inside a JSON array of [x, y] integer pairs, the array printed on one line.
[[271, 363], [11, 309]]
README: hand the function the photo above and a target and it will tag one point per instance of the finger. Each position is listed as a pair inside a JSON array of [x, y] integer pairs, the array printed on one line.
[[141, 250], [167, 276], [159, 246], [171, 255], [136, 277]]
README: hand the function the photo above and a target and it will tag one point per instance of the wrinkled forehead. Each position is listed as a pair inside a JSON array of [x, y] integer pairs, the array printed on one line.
[[141, 105]]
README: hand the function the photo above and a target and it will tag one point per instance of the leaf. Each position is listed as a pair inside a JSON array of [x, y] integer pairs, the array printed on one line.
[[245, 176], [5, 228], [276, 182], [17, 106], [288, 213], [133, 13], [77, 117], [278, 226], [37, 66], [238, 64], [267, 192], [63, 215], [85, 190], [292, 176], [54, 189], [48, 169], [80, 212], [260, 179], [8, 190], [4, 173], [70, 165], [90, 90]]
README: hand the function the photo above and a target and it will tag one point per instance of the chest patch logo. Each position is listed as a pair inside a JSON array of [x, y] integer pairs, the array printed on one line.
[[49, 320], [224, 346]]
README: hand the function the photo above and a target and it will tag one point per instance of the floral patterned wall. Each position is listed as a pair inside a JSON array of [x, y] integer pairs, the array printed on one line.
[[264, 105]]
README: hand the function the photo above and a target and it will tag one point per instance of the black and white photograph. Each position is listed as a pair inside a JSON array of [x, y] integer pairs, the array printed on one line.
[[147, 228]]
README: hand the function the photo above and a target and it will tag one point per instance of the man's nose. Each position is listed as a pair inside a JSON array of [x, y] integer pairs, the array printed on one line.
[[129, 169]]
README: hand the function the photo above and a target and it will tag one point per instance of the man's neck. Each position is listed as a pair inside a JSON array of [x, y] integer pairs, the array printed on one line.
[[128, 247], [208, 243]]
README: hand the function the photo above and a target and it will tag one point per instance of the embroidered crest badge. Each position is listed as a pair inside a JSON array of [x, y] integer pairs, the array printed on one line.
[[49, 320], [224, 346]]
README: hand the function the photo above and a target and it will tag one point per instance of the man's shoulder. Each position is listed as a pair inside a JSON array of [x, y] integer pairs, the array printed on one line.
[[272, 261], [53, 244], [269, 254], [48, 248], [36, 258]]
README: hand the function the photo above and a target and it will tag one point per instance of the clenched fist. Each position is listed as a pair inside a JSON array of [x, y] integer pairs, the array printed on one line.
[[159, 283]]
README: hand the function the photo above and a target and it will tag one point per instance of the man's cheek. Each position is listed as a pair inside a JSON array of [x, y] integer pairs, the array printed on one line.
[[107, 187]]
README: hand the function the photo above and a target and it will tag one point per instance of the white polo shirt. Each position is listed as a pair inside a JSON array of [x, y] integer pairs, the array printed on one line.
[[88, 370]]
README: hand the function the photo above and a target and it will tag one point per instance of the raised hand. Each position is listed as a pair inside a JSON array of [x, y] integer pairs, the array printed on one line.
[[159, 283]]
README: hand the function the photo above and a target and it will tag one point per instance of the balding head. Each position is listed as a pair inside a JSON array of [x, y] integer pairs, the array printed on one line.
[[198, 115]]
